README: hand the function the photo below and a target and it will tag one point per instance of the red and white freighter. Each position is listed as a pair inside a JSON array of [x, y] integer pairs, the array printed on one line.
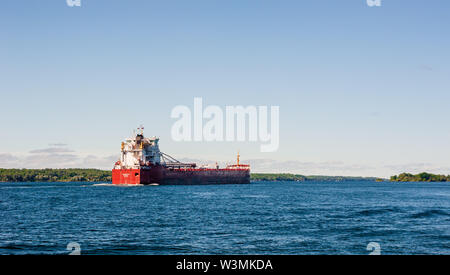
[[141, 162]]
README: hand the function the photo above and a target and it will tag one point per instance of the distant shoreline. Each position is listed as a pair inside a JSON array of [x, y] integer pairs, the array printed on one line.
[[297, 177], [54, 175], [97, 175]]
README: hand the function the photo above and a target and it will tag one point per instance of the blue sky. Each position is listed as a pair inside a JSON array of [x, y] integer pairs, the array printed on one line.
[[362, 90]]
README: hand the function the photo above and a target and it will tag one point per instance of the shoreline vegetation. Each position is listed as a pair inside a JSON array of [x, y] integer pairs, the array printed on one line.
[[96, 175], [54, 175], [422, 177]]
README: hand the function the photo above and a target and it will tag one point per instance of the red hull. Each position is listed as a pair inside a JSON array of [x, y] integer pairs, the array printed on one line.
[[164, 176]]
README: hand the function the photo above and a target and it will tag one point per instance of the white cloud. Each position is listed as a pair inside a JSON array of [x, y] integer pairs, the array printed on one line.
[[50, 160], [57, 144], [51, 150], [8, 160], [56, 157], [102, 162]]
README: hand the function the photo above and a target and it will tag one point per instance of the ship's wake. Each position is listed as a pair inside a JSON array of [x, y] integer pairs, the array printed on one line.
[[117, 185]]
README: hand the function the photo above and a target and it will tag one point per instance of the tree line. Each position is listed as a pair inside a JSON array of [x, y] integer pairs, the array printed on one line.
[[54, 175], [276, 177], [427, 177]]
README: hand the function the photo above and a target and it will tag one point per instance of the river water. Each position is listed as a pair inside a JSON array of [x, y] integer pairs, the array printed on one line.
[[260, 218]]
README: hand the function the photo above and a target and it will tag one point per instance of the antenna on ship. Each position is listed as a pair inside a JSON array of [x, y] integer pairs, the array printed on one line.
[[238, 158]]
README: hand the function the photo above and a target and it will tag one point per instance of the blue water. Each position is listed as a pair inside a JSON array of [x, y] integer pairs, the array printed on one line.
[[260, 218]]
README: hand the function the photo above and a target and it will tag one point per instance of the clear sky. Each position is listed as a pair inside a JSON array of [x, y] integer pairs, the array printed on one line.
[[362, 90]]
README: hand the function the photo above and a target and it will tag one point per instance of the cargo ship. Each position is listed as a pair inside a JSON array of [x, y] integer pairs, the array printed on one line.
[[141, 162]]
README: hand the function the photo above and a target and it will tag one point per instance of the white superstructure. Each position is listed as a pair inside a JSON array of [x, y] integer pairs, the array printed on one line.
[[139, 151]]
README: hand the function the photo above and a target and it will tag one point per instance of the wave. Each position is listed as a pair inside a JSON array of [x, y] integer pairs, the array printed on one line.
[[371, 212], [21, 248], [429, 213], [255, 196], [204, 194]]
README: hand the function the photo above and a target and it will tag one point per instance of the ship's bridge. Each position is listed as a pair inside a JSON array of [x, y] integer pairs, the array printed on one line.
[[139, 151]]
